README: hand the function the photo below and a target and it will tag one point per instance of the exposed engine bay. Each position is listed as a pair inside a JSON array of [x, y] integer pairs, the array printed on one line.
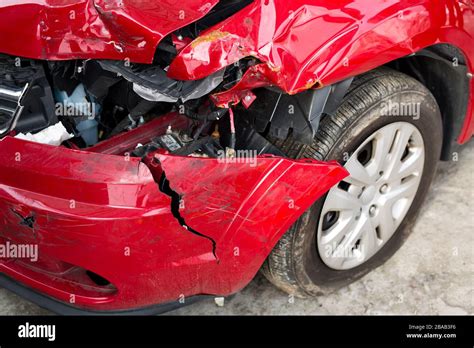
[[81, 103], [97, 100]]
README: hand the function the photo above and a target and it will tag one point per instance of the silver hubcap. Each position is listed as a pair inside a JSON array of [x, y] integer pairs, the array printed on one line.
[[361, 214]]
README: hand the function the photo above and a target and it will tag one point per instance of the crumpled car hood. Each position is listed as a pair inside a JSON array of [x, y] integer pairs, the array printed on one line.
[[93, 29]]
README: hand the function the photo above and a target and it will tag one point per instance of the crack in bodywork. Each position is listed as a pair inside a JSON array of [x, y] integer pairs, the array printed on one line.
[[252, 207], [176, 199]]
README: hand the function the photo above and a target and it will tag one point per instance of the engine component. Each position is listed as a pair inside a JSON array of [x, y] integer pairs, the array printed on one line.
[[11, 100], [152, 84], [26, 101], [181, 144], [84, 111], [205, 116]]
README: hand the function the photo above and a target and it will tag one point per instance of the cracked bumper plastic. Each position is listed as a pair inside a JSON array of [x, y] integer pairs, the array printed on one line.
[[104, 215]]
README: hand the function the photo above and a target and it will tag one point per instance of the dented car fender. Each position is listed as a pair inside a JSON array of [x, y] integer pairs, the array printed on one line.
[[348, 37]]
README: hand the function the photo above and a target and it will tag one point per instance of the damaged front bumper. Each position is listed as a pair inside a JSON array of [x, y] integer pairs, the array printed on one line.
[[111, 238]]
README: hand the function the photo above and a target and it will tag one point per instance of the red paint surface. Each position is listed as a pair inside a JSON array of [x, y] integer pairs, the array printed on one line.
[[91, 208], [304, 44], [93, 29], [118, 207]]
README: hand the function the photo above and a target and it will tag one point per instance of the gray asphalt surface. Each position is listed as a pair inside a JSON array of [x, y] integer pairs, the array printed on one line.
[[433, 273]]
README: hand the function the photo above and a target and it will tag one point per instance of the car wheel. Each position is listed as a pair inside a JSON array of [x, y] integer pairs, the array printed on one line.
[[387, 133]]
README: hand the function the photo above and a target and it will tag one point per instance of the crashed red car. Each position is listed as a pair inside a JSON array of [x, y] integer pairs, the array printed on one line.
[[155, 151]]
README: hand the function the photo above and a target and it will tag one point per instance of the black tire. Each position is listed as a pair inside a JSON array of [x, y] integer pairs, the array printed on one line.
[[295, 265]]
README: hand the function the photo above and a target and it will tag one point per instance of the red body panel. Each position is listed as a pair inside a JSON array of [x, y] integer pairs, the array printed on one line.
[[304, 44], [93, 29], [106, 214]]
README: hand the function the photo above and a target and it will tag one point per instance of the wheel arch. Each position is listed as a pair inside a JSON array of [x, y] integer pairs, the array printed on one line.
[[442, 69]]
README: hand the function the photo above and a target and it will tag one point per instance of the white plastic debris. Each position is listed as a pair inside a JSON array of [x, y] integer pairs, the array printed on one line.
[[53, 135], [219, 301]]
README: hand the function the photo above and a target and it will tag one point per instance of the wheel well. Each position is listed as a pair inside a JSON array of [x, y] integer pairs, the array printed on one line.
[[442, 69]]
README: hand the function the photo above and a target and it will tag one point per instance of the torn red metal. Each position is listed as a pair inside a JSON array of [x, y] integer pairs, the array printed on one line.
[[253, 78], [347, 37], [93, 29], [244, 199], [100, 213], [309, 44]]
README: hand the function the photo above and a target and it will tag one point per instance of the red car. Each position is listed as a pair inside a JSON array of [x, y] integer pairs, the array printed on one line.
[[156, 151]]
